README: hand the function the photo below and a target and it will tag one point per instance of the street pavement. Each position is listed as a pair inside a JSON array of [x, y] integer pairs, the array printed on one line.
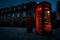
[[18, 33]]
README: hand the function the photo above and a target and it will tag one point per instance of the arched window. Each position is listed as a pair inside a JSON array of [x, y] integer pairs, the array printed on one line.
[[13, 15], [8, 16], [18, 15], [24, 14]]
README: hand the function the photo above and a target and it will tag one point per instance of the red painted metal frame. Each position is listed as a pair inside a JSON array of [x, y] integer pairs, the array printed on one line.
[[38, 20], [48, 25]]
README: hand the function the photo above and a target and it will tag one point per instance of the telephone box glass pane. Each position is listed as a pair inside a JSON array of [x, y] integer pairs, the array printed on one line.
[[39, 20], [47, 19]]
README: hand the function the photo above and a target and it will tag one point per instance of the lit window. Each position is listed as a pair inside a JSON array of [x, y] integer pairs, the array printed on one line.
[[18, 15], [13, 15], [34, 15], [14, 9], [8, 16], [24, 14]]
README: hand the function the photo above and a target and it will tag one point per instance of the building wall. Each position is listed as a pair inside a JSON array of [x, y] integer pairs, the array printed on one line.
[[58, 10], [16, 14]]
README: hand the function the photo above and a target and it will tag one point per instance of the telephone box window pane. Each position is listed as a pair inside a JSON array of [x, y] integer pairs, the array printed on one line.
[[39, 20], [47, 19]]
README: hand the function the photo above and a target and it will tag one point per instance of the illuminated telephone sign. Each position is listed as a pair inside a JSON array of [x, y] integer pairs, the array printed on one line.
[[47, 18], [39, 20]]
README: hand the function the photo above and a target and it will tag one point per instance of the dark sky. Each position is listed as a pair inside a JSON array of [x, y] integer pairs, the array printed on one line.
[[8, 3]]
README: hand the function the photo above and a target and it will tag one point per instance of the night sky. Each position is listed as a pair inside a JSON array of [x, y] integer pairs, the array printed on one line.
[[9, 3]]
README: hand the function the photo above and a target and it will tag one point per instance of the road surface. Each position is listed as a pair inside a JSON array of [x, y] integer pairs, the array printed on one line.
[[17, 33]]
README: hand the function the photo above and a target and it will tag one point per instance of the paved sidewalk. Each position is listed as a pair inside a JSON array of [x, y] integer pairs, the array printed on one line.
[[13, 33]]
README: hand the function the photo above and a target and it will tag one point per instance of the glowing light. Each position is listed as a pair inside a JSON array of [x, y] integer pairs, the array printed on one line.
[[40, 8], [48, 12]]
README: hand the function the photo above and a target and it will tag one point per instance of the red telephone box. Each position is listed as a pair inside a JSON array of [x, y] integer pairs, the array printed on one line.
[[39, 20], [43, 18], [29, 24]]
